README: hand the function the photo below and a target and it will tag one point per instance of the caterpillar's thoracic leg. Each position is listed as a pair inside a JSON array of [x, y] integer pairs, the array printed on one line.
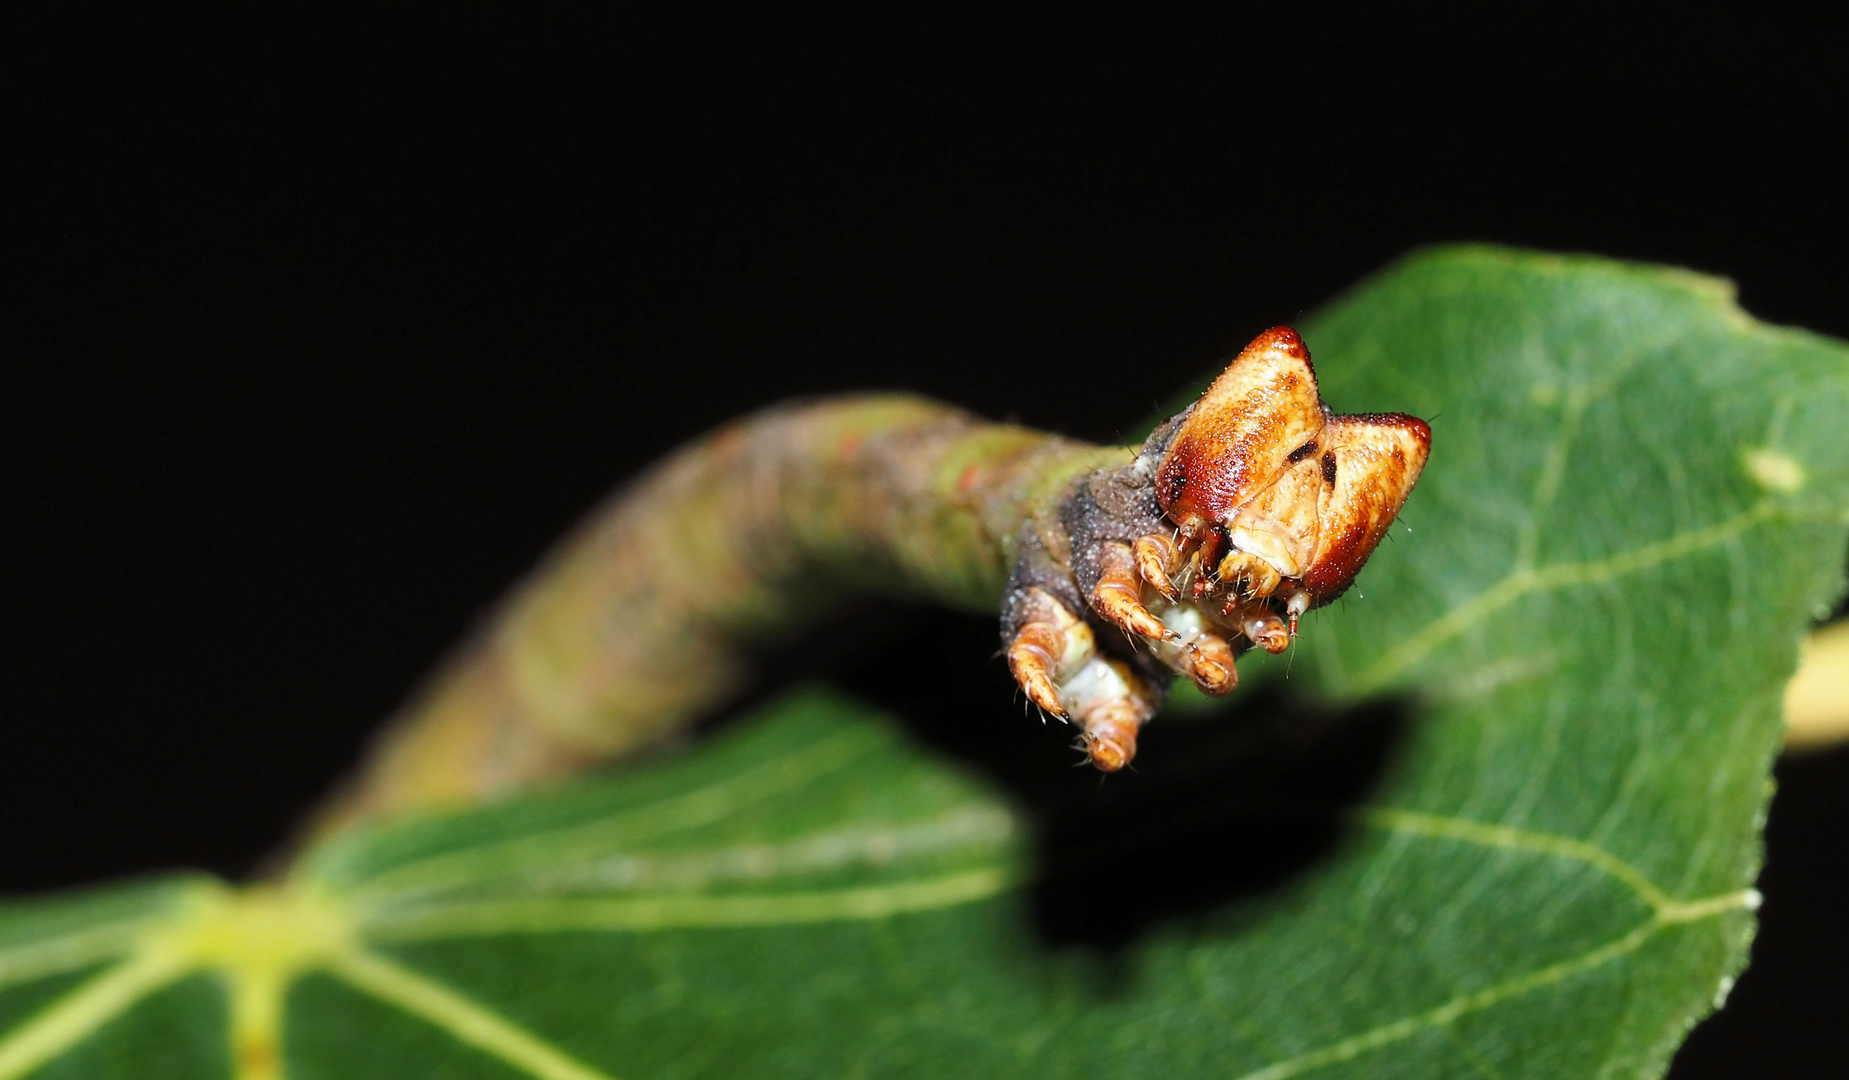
[[1054, 657], [1157, 557], [1109, 703], [1298, 604], [1198, 650], [1209, 662], [1260, 578], [1050, 642], [1262, 625], [1118, 595]]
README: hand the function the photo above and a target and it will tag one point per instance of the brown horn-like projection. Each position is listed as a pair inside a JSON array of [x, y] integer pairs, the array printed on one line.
[[1369, 467], [1242, 431]]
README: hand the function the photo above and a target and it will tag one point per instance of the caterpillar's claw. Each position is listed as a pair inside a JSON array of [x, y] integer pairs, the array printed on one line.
[[1111, 742], [1198, 650], [1157, 557], [1267, 631], [1050, 643], [1208, 660], [1298, 604], [1259, 577], [1027, 659], [1118, 595]]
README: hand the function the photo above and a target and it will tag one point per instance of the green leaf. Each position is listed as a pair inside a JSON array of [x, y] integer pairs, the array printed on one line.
[[1504, 824]]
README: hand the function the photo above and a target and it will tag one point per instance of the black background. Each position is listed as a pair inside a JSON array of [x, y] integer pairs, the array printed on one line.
[[317, 337]]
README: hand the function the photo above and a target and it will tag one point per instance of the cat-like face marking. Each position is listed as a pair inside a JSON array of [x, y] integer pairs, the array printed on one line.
[[1275, 493]]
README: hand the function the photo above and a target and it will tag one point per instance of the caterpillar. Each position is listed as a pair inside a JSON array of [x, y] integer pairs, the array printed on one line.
[[1112, 568]]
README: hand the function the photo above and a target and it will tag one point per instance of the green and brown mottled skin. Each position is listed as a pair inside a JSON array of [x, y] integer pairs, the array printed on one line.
[[1105, 564], [641, 621]]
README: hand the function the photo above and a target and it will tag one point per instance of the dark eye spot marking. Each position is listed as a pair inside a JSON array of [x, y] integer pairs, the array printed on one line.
[[1329, 467], [1302, 452]]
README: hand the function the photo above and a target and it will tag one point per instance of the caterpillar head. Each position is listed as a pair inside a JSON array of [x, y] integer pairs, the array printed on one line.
[[1273, 495]]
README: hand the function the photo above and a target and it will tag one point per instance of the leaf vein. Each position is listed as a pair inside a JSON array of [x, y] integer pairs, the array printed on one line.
[[645, 913], [59, 1026], [72, 951], [702, 806], [457, 1016], [1522, 583], [1512, 839], [1451, 1011]]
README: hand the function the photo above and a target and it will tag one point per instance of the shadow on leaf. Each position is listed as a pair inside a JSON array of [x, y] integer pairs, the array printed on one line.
[[1223, 804]]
